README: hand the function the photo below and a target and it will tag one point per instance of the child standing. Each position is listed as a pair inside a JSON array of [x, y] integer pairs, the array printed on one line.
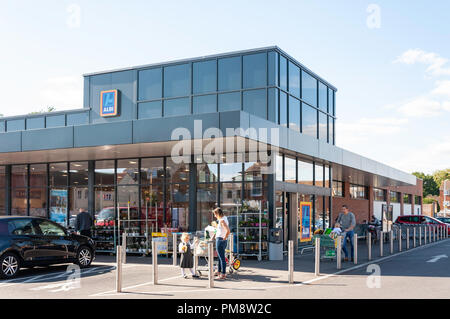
[[187, 258]]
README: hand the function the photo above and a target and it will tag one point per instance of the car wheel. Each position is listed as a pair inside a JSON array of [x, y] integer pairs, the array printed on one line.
[[9, 266], [84, 257]]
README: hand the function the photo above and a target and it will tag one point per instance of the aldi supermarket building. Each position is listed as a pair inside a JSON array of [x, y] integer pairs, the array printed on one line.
[[115, 155]]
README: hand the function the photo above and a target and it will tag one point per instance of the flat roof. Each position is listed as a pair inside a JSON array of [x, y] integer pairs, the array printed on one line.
[[212, 56]]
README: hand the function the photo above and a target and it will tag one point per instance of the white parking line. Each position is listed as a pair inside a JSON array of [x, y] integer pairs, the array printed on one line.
[[112, 293]]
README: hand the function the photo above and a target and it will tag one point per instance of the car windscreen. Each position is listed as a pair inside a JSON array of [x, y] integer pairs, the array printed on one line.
[[106, 214]]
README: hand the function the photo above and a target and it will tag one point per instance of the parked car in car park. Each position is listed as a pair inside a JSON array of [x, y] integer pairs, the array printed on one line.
[[416, 220], [26, 242]]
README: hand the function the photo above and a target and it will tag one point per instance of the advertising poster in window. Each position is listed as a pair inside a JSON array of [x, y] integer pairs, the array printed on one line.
[[305, 221], [58, 206], [162, 242]]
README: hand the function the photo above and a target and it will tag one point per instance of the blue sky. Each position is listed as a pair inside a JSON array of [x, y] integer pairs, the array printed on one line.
[[393, 100]]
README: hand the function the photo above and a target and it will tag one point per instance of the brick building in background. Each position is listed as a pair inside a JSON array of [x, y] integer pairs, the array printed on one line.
[[367, 201], [447, 196]]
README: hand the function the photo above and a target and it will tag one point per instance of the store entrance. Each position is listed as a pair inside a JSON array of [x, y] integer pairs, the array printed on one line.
[[291, 216]]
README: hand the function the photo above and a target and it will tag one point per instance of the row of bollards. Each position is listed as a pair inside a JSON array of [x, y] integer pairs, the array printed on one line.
[[432, 233]]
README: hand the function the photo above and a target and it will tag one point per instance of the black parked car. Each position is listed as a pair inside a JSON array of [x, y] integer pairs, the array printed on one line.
[[26, 242]]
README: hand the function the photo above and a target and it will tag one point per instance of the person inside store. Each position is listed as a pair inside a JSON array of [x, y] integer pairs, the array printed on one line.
[[187, 258], [83, 223], [222, 233], [347, 223]]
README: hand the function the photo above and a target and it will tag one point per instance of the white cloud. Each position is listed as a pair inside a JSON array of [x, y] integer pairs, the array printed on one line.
[[423, 106], [61, 92], [442, 88], [436, 63]]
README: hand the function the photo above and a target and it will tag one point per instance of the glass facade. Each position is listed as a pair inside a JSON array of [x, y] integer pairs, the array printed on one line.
[[266, 84]]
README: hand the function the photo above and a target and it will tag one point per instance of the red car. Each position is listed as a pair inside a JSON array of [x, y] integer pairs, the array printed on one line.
[[420, 220]]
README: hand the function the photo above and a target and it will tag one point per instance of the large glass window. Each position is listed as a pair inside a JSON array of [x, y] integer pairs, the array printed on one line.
[[394, 197], [279, 167], [79, 173], [152, 170], [294, 114], [104, 173], [19, 176], [379, 195], [331, 130], [206, 202], [273, 105], [338, 189], [290, 170], [231, 172], [331, 102], [273, 68], [406, 199], [205, 104], [128, 172], [319, 178], [176, 107], [19, 192], [38, 175], [176, 80], [309, 89], [283, 73], [58, 174], [205, 76], [358, 191], [177, 169], [230, 74], [294, 79], [178, 205], [323, 126], [38, 190], [230, 198], [305, 172], [229, 101], [255, 74], [150, 110], [309, 120], [327, 176], [150, 84], [255, 102], [323, 96], [283, 109], [207, 173]]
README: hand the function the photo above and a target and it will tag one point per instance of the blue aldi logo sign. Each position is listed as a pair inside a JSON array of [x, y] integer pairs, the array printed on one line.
[[108, 103]]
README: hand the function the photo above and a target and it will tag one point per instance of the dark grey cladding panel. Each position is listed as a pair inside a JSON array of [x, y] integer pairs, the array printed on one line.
[[234, 120], [10, 142], [159, 130], [103, 134], [260, 123], [46, 139]]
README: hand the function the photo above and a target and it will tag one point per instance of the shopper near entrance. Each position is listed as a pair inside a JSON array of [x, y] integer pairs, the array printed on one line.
[[347, 222], [83, 223], [187, 258], [223, 230]]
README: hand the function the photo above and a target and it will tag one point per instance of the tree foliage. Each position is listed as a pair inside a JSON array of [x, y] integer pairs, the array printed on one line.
[[432, 182]]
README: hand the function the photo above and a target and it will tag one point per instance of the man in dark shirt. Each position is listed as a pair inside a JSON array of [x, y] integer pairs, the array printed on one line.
[[83, 223]]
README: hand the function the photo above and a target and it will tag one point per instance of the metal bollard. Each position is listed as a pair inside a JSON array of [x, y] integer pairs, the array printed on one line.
[[391, 238], [400, 239], [369, 243], [231, 247], [210, 265], [175, 249], [339, 252], [195, 255], [381, 243], [119, 268], [124, 248], [291, 261], [317, 256], [407, 238], [429, 234], [446, 231], [355, 247], [420, 235], [425, 235], [434, 233], [414, 237], [155, 263]]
